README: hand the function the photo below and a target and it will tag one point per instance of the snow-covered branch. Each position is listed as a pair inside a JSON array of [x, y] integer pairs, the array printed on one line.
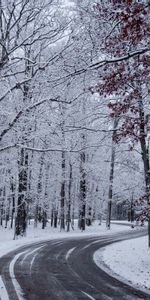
[[99, 64], [27, 109], [44, 150], [104, 62]]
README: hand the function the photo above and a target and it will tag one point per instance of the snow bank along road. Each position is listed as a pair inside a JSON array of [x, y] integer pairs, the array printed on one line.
[[63, 269]]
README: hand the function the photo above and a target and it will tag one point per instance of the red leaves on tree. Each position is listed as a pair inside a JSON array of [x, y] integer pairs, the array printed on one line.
[[145, 213], [129, 31]]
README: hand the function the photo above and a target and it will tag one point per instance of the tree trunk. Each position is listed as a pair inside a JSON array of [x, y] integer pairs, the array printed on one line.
[[44, 219], [36, 216], [52, 217], [145, 155], [1, 209], [72, 219], [12, 214], [149, 233], [55, 218], [62, 194], [13, 205], [21, 218], [89, 216], [69, 201], [111, 177], [82, 207]]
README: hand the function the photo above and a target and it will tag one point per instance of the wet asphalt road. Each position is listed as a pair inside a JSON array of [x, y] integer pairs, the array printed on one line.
[[64, 270]]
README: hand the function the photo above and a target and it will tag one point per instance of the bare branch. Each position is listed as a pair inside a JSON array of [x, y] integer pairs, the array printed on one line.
[[102, 63], [76, 128], [24, 110], [48, 149]]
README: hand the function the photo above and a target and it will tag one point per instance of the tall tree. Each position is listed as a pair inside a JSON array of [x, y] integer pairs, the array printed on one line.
[[128, 76]]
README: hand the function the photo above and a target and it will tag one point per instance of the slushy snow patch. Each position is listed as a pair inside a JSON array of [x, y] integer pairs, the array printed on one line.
[[129, 259]]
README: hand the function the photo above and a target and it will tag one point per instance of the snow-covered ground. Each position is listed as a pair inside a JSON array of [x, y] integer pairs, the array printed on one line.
[[129, 259], [7, 243]]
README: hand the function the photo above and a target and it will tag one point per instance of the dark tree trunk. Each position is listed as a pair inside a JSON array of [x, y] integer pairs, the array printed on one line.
[[12, 214], [7, 216], [52, 217], [55, 218], [36, 216], [72, 219], [145, 155], [44, 219], [149, 232], [2, 210], [82, 208], [68, 220], [13, 205], [38, 213], [21, 218], [89, 216], [111, 177], [62, 194], [4, 40], [132, 212]]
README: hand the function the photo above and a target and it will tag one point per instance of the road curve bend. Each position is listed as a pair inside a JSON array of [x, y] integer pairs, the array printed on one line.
[[63, 270]]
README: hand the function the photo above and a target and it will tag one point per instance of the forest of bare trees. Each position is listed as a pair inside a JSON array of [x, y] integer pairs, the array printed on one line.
[[74, 112]]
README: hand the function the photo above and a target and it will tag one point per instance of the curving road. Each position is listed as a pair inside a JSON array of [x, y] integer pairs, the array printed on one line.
[[63, 270]]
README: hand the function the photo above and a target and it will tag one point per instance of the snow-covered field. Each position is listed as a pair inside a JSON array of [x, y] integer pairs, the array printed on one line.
[[129, 259], [34, 235]]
